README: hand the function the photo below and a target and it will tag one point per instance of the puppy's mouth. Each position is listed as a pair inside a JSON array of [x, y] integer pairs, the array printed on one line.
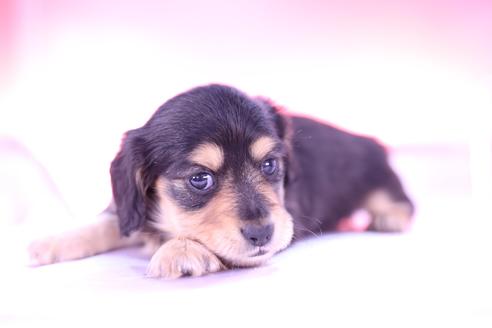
[[259, 252]]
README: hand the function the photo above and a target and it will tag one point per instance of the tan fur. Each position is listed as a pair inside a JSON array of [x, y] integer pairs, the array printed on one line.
[[209, 155], [183, 257], [386, 214], [86, 241], [261, 147], [195, 239], [138, 183], [217, 227]]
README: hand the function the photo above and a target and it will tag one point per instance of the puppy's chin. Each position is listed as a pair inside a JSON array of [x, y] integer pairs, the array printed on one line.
[[247, 261], [252, 261], [255, 256]]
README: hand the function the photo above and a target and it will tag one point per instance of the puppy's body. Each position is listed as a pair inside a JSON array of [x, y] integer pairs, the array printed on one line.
[[217, 179], [333, 174]]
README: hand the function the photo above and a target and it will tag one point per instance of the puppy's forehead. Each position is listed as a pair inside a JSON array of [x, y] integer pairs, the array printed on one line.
[[217, 113], [209, 125]]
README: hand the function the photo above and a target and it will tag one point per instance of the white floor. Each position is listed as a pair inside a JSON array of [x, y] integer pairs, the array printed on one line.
[[437, 275]]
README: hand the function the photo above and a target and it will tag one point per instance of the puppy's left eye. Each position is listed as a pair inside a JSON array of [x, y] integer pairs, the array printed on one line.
[[269, 166], [202, 181]]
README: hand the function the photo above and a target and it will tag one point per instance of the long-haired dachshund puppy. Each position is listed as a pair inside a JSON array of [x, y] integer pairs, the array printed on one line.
[[216, 179]]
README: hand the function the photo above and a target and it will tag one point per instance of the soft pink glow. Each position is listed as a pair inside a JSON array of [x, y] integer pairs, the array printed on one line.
[[77, 74]]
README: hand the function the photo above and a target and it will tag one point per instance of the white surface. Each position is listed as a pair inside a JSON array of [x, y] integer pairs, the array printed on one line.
[[437, 275]]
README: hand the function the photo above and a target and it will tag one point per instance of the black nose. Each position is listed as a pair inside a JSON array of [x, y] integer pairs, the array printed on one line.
[[258, 236]]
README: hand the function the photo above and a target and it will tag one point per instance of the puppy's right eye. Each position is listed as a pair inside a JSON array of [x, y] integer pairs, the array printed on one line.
[[202, 181]]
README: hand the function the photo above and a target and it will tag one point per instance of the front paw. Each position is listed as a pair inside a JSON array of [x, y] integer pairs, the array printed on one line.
[[57, 249], [183, 257]]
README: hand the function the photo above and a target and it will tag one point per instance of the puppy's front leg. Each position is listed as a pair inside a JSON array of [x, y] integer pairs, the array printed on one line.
[[182, 257], [102, 236]]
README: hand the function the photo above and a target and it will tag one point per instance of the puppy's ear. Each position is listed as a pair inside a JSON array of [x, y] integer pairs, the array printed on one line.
[[279, 117], [128, 184]]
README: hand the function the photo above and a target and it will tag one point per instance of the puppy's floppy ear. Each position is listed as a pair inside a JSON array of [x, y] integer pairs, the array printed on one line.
[[279, 117], [128, 184]]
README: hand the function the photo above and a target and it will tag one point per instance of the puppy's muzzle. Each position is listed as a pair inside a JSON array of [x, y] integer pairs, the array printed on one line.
[[258, 235]]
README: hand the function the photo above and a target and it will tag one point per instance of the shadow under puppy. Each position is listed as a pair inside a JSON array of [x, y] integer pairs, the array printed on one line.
[[216, 179]]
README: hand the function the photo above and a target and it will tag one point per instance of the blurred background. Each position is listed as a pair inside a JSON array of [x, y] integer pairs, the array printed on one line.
[[75, 75]]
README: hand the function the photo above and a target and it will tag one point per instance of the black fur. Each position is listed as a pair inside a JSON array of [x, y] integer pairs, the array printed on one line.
[[130, 199], [332, 171], [326, 172], [215, 113]]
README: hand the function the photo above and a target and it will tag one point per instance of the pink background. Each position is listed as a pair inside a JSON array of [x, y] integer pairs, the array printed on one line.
[[74, 75]]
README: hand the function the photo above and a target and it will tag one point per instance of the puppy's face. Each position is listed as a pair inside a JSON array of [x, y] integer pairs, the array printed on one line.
[[209, 166], [229, 197]]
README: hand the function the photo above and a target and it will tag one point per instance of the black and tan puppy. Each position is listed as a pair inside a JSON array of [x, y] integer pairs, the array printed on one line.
[[216, 179]]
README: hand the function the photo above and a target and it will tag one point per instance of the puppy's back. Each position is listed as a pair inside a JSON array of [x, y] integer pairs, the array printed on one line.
[[332, 173]]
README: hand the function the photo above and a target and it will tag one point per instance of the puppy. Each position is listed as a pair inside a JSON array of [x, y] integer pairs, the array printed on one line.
[[216, 179]]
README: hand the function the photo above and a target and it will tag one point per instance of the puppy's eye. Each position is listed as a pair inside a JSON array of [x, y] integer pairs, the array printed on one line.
[[269, 166], [202, 181]]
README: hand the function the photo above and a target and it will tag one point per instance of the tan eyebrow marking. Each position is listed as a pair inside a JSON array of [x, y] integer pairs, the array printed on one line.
[[261, 147], [209, 155]]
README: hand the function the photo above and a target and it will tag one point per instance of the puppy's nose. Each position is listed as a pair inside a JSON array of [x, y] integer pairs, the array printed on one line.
[[258, 236]]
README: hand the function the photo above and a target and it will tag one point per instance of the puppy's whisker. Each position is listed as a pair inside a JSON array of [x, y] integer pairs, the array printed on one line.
[[310, 231], [318, 220]]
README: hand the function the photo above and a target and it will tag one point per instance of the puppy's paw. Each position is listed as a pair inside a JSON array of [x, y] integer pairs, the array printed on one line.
[[57, 249], [387, 214], [183, 257], [397, 218]]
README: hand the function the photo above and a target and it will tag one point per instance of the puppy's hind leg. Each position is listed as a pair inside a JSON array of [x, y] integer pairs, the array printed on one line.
[[390, 208], [102, 236]]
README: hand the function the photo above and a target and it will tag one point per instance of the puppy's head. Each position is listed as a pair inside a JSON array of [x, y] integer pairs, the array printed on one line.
[[210, 165]]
